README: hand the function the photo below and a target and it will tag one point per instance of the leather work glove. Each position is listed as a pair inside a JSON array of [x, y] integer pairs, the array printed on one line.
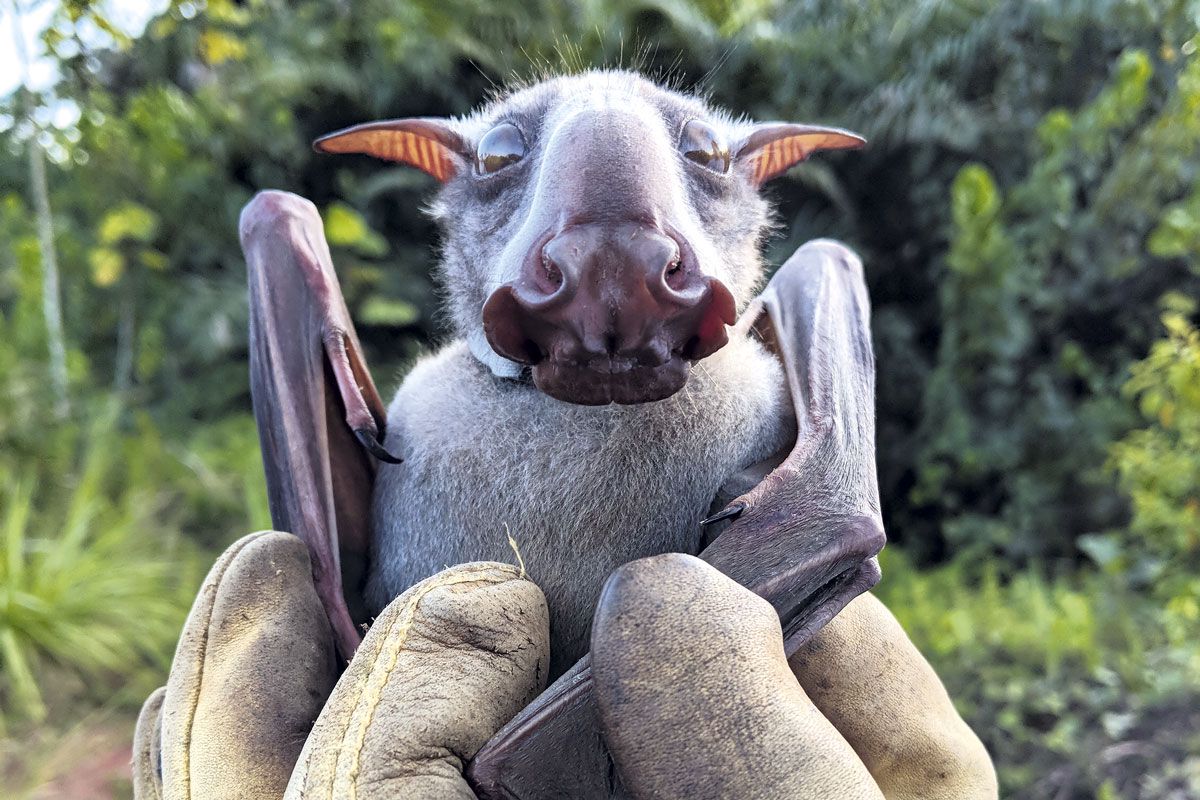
[[695, 694]]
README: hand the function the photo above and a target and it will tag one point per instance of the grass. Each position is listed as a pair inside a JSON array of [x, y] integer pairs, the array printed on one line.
[[93, 589], [88, 758]]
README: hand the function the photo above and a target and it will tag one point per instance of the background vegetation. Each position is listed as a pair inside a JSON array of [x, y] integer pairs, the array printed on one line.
[[1029, 213]]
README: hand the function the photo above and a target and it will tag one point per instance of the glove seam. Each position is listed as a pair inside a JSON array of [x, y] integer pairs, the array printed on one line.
[[193, 702], [395, 640]]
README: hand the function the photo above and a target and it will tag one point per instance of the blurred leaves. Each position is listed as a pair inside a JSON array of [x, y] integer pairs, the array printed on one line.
[[107, 265], [128, 221], [380, 311], [1073, 683], [104, 526], [91, 583], [345, 227], [217, 47], [1159, 466], [1178, 233], [1046, 299]]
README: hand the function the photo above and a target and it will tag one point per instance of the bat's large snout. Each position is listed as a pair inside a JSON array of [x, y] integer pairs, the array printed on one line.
[[609, 314]]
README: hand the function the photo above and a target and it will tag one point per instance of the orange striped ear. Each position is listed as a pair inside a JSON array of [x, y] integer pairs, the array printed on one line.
[[775, 147], [430, 145]]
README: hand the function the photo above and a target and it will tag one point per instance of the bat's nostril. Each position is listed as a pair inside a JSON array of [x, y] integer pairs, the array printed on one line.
[[550, 272], [665, 266], [533, 353], [673, 276]]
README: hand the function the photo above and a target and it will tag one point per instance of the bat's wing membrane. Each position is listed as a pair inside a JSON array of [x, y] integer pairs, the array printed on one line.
[[804, 537], [317, 410]]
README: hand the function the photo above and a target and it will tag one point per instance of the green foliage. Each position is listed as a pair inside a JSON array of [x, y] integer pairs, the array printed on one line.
[[1073, 682], [102, 526], [345, 227], [128, 221], [1046, 299], [1159, 467], [64, 602]]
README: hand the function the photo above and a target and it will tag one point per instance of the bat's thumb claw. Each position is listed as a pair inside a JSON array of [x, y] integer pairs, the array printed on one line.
[[729, 512], [368, 440]]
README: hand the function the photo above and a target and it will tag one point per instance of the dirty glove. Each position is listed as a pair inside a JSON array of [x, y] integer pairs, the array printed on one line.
[[444, 665], [696, 696]]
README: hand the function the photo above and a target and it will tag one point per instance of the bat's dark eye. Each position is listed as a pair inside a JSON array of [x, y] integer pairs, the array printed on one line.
[[501, 146], [701, 143]]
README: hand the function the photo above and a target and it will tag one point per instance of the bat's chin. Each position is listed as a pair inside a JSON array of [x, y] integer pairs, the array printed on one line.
[[603, 381]]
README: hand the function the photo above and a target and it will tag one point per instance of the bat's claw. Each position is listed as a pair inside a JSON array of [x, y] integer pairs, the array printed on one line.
[[368, 440], [729, 512]]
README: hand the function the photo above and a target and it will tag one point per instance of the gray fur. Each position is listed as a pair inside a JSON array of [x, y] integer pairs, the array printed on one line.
[[582, 490], [488, 225]]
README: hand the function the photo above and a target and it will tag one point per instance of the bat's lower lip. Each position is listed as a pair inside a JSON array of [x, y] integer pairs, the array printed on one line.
[[621, 381]]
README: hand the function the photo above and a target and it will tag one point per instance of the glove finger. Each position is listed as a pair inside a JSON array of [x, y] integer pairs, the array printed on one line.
[[253, 667], [443, 667], [147, 755], [696, 698], [869, 680]]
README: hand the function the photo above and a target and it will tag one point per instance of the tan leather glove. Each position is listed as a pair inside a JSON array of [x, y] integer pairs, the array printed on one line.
[[867, 678], [445, 665], [696, 696], [698, 700]]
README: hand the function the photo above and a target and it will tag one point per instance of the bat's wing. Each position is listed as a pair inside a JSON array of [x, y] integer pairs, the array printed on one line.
[[317, 410], [804, 537]]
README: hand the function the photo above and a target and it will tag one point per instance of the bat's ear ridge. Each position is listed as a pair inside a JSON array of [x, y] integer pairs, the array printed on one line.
[[427, 143], [772, 148]]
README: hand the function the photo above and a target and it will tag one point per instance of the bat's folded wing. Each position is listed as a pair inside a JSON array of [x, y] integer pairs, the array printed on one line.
[[320, 419], [804, 538]]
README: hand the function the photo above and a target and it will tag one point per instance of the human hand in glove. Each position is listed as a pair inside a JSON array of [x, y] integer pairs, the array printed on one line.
[[695, 694]]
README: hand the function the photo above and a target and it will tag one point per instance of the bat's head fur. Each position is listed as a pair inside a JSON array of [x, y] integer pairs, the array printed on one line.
[[600, 230]]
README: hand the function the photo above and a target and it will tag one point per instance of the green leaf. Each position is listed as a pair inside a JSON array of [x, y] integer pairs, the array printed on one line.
[[383, 311], [345, 227], [128, 221], [974, 195], [17, 670], [107, 265], [217, 47], [1178, 231], [153, 259]]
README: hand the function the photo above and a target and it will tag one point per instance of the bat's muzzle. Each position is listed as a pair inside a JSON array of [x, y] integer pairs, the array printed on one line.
[[609, 314]]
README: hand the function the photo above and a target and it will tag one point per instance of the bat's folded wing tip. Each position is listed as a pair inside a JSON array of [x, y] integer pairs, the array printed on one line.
[[270, 207], [830, 248]]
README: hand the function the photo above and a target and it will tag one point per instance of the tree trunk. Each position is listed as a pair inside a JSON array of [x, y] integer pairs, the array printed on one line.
[[126, 335], [51, 308]]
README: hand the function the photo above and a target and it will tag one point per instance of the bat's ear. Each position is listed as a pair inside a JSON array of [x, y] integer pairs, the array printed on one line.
[[771, 149], [429, 144]]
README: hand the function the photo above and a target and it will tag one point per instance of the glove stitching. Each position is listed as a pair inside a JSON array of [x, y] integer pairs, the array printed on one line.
[[193, 701], [365, 708]]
